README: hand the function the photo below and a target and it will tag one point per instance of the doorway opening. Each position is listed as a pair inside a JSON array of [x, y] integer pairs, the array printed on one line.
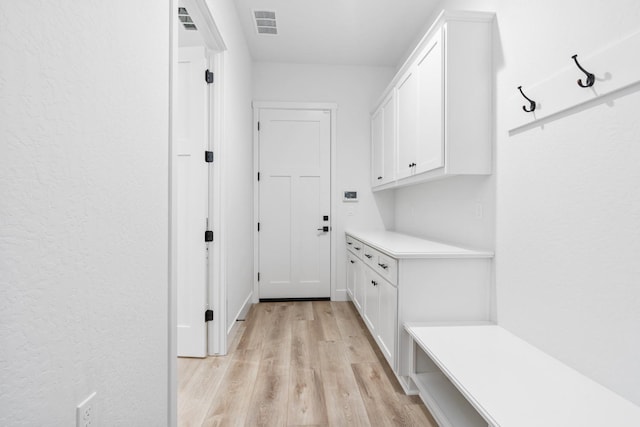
[[197, 291], [294, 242]]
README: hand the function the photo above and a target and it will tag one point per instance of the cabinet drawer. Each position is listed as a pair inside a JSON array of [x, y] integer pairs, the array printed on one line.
[[387, 267], [370, 256], [355, 246]]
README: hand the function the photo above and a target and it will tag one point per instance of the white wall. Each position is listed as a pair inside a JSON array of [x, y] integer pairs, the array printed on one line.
[[84, 211], [568, 208], [355, 90], [235, 159]]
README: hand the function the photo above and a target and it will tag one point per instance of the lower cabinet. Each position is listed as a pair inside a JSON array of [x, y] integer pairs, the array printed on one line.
[[371, 299], [414, 280], [355, 279], [387, 321], [377, 301]]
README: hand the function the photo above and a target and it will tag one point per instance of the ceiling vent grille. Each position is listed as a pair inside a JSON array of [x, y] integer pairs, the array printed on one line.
[[265, 21], [186, 20]]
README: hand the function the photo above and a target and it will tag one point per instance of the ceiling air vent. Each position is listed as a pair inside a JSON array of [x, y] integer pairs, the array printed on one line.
[[186, 20], [265, 22]]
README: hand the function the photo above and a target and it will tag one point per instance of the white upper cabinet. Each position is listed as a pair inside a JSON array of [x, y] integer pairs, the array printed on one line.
[[383, 142], [389, 132], [443, 123], [430, 144], [407, 122], [377, 147]]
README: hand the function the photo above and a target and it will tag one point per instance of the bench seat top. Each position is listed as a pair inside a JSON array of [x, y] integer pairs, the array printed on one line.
[[513, 384]]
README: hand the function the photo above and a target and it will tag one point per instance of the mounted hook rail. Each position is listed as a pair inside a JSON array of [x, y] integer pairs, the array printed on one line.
[[532, 103], [591, 78]]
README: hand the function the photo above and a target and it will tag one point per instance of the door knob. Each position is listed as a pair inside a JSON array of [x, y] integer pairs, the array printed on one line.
[[325, 229]]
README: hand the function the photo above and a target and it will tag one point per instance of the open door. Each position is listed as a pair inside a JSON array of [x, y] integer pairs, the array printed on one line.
[[192, 200]]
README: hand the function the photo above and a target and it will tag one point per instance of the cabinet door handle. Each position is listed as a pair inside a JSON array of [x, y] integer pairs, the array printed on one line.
[[349, 243], [385, 266], [374, 283], [352, 261], [379, 177], [368, 256], [356, 248]]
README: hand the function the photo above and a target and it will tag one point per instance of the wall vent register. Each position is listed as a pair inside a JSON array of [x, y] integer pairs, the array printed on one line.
[[265, 21], [183, 16]]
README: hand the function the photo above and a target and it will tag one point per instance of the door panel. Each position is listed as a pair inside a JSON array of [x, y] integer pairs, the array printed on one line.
[[430, 145], [192, 201], [378, 144], [407, 123], [294, 164], [371, 285], [387, 320], [276, 225], [389, 129]]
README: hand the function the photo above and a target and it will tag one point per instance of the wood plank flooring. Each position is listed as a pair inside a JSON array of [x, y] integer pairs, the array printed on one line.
[[297, 364]]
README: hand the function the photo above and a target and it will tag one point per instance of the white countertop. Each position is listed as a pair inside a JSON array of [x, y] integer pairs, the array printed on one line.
[[514, 384], [400, 246]]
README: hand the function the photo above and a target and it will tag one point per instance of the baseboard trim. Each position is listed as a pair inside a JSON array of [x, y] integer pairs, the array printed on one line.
[[293, 299]]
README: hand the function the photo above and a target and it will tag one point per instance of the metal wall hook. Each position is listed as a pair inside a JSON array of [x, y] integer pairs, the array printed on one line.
[[591, 78], [532, 103]]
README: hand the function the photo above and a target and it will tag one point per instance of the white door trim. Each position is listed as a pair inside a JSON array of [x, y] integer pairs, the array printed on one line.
[[217, 292], [323, 106]]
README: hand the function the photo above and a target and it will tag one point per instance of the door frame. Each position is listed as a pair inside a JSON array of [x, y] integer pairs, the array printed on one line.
[[217, 336], [333, 199]]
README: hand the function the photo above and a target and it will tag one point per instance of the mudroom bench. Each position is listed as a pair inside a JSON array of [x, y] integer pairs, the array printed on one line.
[[483, 375]]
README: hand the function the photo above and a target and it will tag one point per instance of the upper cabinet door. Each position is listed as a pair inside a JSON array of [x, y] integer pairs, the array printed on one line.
[[377, 147], [407, 122], [389, 150], [429, 72]]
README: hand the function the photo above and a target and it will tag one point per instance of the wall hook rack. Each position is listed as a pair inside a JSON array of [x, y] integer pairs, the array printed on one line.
[[591, 78], [532, 103]]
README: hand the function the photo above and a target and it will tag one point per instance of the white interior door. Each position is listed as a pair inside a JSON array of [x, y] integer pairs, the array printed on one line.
[[294, 198], [192, 131]]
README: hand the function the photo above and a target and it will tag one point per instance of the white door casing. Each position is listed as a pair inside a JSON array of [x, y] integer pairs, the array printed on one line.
[[294, 162], [192, 175]]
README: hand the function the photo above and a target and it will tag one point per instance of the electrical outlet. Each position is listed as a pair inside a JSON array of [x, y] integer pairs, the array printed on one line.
[[479, 210], [86, 415]]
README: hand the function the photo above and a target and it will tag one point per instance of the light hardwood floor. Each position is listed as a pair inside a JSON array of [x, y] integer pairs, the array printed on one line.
[[297, 364]]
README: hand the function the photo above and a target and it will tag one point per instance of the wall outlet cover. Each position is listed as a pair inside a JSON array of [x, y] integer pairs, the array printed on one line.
[[86, 414]]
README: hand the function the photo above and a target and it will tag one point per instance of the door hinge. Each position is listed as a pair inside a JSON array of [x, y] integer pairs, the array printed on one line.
[[208, 77], [208, 236], [208, 315], [258, 126], [258, 226], [208, 156], [258, 276], [258, 176]]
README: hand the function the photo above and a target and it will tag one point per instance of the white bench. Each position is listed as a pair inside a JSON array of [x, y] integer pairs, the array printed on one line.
[[479, 375]]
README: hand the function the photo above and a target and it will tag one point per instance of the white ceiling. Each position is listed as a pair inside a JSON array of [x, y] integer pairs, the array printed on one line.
[[344, 32]]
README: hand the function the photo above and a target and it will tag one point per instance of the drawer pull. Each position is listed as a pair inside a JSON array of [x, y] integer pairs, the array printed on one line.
[[385, 266], [352, 261], [379, 177], [368, 256], [374, 283], [349, 243], [356, 248]]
